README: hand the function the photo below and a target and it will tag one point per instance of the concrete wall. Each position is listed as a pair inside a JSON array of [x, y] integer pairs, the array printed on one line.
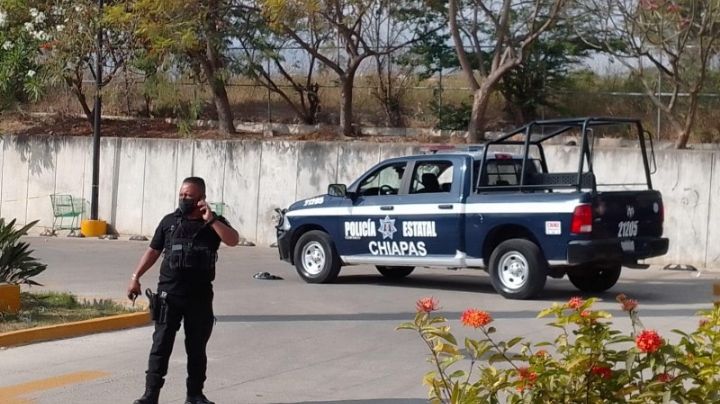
[[139, 179]]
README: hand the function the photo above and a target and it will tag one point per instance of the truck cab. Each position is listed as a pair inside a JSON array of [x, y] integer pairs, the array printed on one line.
[[495, 207]]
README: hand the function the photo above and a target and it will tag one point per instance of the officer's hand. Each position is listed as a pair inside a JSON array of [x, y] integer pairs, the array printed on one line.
[[207, 213], [133, 290]]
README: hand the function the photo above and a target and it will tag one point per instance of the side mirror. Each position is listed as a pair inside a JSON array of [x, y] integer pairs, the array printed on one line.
[[337, 190]]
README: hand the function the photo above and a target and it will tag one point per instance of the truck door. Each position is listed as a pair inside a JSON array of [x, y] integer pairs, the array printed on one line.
[[435, 210], [411, 218], [371, 212]]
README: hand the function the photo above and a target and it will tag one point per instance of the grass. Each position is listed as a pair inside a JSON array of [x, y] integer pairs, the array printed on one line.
[[48, 308]]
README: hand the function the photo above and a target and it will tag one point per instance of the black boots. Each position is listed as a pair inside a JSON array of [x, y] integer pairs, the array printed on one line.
[[198, 399], [151, 396]]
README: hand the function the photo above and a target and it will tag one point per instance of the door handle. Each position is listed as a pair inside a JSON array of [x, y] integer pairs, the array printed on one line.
[[445, 206], [387, 207]]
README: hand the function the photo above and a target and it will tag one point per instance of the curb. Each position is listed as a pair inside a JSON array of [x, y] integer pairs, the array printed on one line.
[[74, 329]]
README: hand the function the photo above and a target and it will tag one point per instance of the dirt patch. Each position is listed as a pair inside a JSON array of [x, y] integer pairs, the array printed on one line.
[[63, 125]]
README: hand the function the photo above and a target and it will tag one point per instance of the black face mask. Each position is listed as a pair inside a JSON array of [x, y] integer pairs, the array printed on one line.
[[187, 205]]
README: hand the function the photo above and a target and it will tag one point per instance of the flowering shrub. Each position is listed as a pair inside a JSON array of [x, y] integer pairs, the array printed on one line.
[[20, 38], [588, 361]]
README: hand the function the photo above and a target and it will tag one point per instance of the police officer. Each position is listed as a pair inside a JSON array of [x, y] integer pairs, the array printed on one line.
[[189, 239]]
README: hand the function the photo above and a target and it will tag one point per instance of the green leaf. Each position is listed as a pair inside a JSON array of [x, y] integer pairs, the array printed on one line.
[[630, 360], [514, 341]]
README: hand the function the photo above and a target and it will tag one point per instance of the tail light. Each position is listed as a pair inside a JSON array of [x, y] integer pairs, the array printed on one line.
[[582, 219]]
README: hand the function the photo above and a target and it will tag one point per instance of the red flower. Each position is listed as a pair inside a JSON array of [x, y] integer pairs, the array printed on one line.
[[585, 314], [603, 372], [663, 377], [575, 302], [629, 305], [475, 318], [527, 378], [426, 304], [542, 353], [648, 341]]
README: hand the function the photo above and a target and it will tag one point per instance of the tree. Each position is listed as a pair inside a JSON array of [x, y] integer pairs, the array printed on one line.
[[352, 21], [262, 50], [195, 34], [549, 60], [71, 47], [514, 33], [21, 75], [674, 40]]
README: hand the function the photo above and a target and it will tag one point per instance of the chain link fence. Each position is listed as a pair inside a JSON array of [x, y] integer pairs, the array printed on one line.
[[440, 100]]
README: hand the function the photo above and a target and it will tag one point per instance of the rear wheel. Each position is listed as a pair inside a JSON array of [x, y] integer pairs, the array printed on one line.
[[316, 260], [518, 269], [596, 278], [394, 272]]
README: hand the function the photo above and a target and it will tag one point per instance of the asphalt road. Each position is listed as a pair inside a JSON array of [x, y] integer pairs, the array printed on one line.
[[285, 341]]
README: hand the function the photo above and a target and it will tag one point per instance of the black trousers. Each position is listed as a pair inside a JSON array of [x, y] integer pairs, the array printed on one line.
[[197, 316]]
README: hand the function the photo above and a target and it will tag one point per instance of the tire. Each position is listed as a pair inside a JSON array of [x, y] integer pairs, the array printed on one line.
[[394, 272], [316, 260], [518, 269], [596, 278]]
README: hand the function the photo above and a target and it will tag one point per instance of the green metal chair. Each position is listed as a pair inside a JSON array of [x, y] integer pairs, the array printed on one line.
[[66, 207]]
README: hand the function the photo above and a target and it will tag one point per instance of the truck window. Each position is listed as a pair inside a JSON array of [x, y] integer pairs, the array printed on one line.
[[500, 173], [383, 181], [432, 177]]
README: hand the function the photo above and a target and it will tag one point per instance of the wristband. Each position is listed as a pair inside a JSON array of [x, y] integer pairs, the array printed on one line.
[[211, 221], [134, 277]]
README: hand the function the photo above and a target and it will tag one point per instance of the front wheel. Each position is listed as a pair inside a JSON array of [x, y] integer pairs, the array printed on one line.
[[394, 272], [597, 278], [316, 260], [518, 269]]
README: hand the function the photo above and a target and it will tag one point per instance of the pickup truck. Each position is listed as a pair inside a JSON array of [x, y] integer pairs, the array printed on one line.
[[493, 206]]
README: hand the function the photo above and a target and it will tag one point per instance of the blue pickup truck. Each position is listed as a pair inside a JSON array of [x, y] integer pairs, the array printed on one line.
[[493, 206]]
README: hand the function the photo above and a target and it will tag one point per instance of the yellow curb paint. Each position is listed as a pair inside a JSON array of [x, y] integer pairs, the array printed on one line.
[[74, 329], [10, 394]]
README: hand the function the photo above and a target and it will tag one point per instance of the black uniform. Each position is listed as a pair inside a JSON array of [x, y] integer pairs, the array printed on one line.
[[186, 274]]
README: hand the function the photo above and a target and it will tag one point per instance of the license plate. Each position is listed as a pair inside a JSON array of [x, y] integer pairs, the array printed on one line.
[[628, 245]]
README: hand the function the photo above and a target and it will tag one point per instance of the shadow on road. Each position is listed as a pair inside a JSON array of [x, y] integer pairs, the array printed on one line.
[[405, 316], [657, 289]]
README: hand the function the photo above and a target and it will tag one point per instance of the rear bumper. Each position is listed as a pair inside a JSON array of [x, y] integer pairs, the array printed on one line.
[[585, 251]]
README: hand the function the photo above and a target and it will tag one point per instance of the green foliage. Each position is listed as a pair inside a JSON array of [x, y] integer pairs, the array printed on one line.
[[544, 71], [17, 266], [20, 71], [47, 308], [449, 117], [588, 361]]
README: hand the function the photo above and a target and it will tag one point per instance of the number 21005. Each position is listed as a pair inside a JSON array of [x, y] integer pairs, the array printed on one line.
[[628, 228]]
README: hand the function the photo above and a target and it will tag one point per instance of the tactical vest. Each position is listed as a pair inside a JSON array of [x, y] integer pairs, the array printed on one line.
[[188, 258]]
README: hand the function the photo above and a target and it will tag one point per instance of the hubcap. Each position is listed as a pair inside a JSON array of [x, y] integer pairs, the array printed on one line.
[[514, 270], [313, 258]]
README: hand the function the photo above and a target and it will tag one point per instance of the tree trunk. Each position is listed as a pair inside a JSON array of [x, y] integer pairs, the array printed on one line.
[[213, 66], [346, 109], [76, 88], [684, 134], [222, 105], [476, 128]]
